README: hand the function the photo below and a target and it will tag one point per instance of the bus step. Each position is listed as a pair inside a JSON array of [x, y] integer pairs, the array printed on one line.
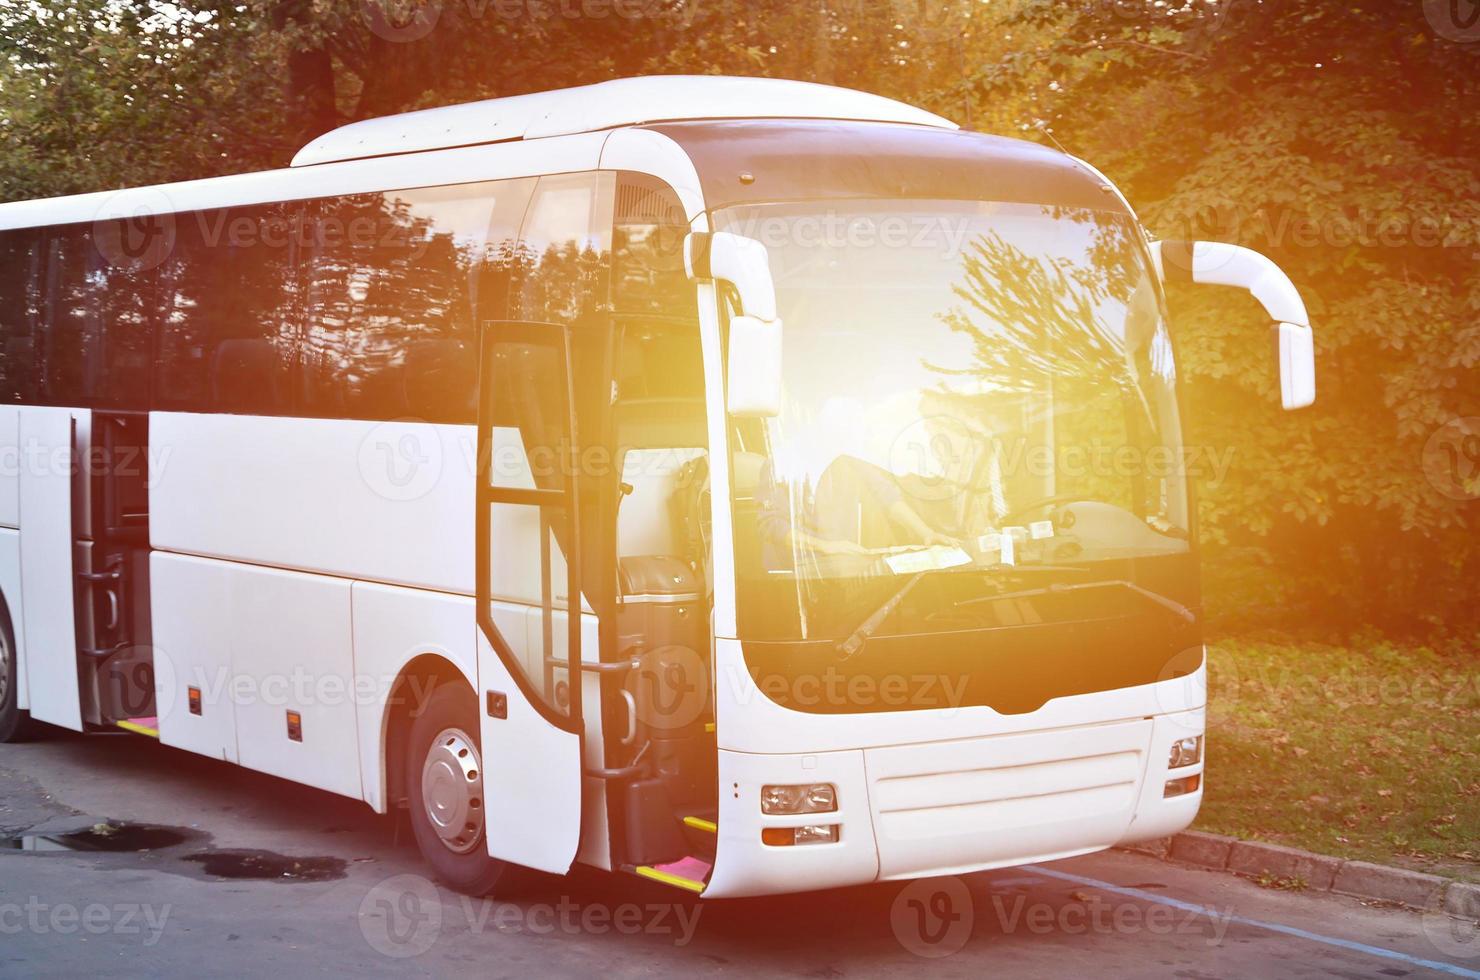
[[688, 873], [141, 726]]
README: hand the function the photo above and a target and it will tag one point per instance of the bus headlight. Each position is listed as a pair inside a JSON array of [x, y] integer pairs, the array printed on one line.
[[1186, 752], [814, 798]]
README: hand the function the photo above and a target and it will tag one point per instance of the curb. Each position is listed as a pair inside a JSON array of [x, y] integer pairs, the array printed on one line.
[[1357, 879]]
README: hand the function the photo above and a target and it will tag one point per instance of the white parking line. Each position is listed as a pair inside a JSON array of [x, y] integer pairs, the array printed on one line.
[[1390, 954]]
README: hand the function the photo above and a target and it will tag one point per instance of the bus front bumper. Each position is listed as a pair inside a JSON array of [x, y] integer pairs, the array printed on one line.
[[951, 807]]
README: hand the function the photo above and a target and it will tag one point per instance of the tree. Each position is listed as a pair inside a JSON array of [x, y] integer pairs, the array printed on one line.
[[1333, 136]]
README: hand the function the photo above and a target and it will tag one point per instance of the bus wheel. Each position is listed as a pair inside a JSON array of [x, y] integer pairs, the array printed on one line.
[[14, 723], [444, 780]]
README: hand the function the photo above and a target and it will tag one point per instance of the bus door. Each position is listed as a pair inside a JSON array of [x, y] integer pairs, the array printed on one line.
[[113, 575], [528, 533], [48, 503]]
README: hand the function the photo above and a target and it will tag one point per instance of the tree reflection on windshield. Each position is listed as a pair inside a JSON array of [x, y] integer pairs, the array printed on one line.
[[941, 398]]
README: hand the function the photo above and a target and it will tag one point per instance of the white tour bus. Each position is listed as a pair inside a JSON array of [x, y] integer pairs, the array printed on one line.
[[856, 434]]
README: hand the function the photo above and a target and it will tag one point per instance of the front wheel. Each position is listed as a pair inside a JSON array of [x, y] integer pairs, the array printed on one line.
[[444, 779]]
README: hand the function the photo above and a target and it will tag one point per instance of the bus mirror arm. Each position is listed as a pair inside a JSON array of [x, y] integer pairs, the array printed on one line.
[[753, 383], [1222, 264]]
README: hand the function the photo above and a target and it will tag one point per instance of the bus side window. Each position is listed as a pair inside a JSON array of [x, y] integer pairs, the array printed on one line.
[[659, 418], [20, 284], [561, 274], [72, 346], [227, 329], [390, 325]]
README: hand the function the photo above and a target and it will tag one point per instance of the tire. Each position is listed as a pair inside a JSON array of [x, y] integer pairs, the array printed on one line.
[[444, 790], [15, 724]]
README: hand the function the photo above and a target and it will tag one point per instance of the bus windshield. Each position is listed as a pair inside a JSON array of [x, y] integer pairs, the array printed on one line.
[[970, 388]]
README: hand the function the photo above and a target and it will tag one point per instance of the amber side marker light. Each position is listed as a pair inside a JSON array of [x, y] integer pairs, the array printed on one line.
[[809, 834], [1183, 786]]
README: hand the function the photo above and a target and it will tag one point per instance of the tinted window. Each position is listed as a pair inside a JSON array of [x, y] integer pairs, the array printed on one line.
[[227, 318], [397, 285], [647, 251], [124, 292], [565, 251], [95, 350], [20, 260], [71, 347]]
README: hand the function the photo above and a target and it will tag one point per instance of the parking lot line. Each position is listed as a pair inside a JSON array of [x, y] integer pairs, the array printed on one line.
[[1390, 954]]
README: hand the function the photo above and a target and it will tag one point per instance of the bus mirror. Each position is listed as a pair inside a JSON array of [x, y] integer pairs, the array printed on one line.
[[754, 382], [742, 262], [1296, 351], [1222, 264]]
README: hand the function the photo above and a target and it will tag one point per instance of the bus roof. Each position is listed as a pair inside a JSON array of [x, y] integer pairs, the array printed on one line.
[[606, 105]]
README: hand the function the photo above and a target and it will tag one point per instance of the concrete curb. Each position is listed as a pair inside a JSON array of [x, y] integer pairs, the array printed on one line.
[[1321, 873]]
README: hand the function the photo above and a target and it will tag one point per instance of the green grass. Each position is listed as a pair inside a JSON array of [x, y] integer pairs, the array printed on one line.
[[1369, 750]]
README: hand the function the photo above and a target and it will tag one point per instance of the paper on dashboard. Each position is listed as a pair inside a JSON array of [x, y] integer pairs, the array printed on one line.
[[926, 560]]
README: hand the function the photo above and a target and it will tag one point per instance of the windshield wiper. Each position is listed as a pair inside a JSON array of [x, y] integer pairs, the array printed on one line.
[[870, 626], [1165, 601]]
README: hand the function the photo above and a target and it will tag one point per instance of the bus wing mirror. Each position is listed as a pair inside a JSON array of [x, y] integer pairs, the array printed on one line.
[[753, 383], [1222, 264], [742, 262]]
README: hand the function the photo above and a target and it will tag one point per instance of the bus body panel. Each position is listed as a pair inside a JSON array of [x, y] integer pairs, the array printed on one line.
[[555, 155], [190, 601], [393, 626], [749, 721], [595, 842], [929, 808], [531, 776], [269, 653], [1156, 814], [46, 543], [11, 462], [291, 655], [942, 806], [745, 866], [377, 501]]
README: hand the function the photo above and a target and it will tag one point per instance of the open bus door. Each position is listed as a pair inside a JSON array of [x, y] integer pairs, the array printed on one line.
[[529, 690]]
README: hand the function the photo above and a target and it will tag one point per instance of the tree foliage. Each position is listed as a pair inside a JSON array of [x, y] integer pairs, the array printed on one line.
[[1334, 136]]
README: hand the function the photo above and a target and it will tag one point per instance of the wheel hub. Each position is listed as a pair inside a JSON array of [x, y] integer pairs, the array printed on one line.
[[452, 790]]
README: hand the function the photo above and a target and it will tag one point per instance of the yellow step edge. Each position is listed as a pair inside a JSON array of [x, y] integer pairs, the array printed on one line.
[[697, 887], [699, 823], [129, 726]]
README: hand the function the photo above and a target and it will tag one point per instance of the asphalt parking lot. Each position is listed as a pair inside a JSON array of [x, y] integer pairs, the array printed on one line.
[[343, 892]]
